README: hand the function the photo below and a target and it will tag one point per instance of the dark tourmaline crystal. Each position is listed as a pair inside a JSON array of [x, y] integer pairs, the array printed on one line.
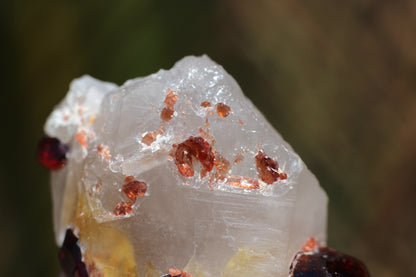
[[326, 262], [70, 257]]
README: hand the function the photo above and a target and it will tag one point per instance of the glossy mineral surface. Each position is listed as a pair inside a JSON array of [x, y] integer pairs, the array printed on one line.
[[51, 153], [318, 261], [179, 171]]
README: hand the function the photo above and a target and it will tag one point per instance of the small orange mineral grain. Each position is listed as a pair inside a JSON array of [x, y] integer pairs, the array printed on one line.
[[206, 104], [167, 114], [123, 208], [132, 189], [223, 110]]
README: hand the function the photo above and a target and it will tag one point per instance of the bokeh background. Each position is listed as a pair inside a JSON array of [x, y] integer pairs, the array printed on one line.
[[336, 78]]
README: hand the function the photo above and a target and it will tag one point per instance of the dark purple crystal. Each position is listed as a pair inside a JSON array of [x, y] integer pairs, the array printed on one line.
[[70, 257], [51, 153], [326, 262]]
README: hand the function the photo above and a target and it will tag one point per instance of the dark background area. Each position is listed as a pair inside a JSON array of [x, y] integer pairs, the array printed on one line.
[[336, 78]]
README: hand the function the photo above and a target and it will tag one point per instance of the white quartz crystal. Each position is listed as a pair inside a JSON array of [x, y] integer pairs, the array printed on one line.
[[204, 225]]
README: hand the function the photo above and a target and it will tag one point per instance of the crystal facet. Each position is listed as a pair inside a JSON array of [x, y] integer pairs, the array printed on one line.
[[179, 171]]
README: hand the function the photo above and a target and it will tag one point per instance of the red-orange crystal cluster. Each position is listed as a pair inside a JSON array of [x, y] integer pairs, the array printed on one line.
[[267, 168], [170, 101], [193, 147], [133, 188], [123, 208]]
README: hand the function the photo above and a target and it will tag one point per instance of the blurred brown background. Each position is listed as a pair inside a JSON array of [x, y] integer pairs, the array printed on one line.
[[336, 78]]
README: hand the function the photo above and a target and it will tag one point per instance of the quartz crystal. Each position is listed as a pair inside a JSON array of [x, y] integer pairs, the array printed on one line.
[[178, 173]]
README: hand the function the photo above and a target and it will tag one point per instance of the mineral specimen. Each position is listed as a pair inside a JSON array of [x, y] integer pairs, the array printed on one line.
[[178, 172]]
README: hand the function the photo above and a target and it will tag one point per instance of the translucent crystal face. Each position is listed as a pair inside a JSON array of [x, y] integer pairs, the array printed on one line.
[[180, 170]]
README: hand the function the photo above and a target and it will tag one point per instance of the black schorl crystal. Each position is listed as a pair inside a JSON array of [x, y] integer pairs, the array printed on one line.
[[70, 257], [326, 262]]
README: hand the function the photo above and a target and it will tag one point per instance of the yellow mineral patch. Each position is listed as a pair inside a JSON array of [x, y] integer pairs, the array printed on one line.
[[195, 269], [151, 271], [246, 262], [108, 252], [92, 119]]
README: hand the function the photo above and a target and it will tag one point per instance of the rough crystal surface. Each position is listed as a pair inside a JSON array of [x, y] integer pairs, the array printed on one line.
[[222, 220]]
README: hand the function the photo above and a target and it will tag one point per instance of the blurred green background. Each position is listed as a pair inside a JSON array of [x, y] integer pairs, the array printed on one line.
[[336, 78]]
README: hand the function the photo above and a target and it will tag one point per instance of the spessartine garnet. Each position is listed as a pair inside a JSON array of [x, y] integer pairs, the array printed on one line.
[[326, 262], [51, 153], [267, 168], [70, 257], [133, 188], [193, 147], [223, 110]]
